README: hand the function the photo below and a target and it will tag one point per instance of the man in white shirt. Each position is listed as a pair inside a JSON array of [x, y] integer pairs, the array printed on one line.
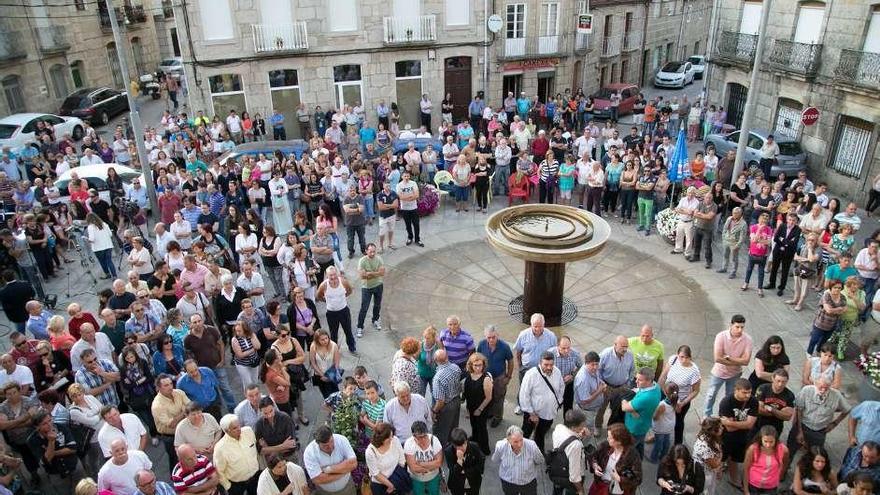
[[450, 151], [91, 339], [20, 374], [540, 397], [867, 262], [423, 133], [614, 140], [163, 237], [769, 153], [585, 144], [90, 158], [408, 193], [570, 434], [126, 427], [233, 125], [117, 474], [425, 106], [251, 282], [503, 155], [407, 133], [684, 231]]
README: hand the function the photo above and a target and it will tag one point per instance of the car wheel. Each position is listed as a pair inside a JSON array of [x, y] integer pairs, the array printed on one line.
[[104, 119], [77, 133]]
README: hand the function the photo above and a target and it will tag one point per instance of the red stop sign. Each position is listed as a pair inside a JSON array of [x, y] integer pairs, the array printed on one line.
[[810, 115]]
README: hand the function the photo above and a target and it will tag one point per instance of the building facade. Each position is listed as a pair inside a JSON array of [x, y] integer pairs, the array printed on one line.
[[267, 54], [48, 51], [816, 54]]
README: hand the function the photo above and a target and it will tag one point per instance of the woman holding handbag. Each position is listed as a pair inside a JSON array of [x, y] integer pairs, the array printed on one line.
[[303, 316], [245, 353], [806, 268], [324, 358], [293, 358], [387, 463], [277, 380]]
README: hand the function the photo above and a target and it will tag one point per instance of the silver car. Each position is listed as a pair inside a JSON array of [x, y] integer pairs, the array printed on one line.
[[791, 160]]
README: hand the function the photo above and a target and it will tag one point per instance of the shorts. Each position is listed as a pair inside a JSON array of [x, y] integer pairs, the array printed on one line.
[[386, 225], [869, 333], [565, 193], [734, 450], [638, 118]]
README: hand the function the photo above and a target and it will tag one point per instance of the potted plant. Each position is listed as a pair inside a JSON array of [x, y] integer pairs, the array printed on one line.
[[667, 220], [869, 386], [279, 42]]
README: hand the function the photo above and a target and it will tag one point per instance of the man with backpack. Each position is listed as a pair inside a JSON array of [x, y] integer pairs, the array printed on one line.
[[565, 463]]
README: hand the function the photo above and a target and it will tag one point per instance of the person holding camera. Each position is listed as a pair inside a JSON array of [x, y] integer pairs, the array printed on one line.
[[616, 466], [680, 474]]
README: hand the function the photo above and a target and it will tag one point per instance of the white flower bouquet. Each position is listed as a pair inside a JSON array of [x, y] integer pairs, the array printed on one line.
[[667, 220]]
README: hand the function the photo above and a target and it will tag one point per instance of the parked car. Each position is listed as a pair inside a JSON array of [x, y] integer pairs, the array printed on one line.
[[96, 177], [791, 160], [698, 62], [172, 65], [629, 93], [96, 105], [674, 75], [295, 146], [17, 130]]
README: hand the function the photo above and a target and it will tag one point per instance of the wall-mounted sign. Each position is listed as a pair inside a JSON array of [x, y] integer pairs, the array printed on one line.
[[532, 63], [585, 23]]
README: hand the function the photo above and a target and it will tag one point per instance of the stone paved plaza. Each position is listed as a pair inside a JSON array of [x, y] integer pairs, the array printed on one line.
[[633, 281]]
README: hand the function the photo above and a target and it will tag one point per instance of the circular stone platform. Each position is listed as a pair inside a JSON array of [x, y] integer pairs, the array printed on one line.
[[615, 292]]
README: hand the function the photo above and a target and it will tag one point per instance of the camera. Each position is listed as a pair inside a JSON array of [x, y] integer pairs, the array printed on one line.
[[678, 487], [127, 208]]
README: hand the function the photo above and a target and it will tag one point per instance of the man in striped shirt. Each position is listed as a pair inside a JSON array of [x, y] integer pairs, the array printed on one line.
[[529, 345], [569, 362], [519, 462], [459, 344], [194, 473], [446, 389]]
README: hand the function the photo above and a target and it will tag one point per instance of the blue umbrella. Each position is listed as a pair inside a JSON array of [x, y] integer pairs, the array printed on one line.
[[678, 163]]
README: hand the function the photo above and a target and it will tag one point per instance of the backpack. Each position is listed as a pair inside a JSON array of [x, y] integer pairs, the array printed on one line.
[[557, 464]]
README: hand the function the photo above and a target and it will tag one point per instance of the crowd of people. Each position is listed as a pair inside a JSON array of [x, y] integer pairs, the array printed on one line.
[[84, 395]]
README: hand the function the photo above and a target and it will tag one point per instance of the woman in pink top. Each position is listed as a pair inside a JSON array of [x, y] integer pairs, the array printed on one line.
[[760, 236], [766, 461]]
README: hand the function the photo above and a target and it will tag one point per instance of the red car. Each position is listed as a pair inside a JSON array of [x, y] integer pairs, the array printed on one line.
[[629, 93]]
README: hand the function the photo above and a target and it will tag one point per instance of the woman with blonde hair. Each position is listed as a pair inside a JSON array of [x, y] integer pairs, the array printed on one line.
[[85, 421], [59, 335], [426, 367], [324, 358], [806, 269], [477, 395]]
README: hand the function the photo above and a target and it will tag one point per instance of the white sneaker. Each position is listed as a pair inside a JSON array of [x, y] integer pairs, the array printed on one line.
[[377, 325], [517, 411], [155, 442], [360, 332]]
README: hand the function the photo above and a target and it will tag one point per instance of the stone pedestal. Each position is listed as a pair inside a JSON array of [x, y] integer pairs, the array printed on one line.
[[542, 293]]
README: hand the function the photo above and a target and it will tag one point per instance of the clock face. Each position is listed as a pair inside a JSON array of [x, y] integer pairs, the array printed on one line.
[[494, 23]]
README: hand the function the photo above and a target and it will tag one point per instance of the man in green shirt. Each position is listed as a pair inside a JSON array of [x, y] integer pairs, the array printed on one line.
[[371, 270], [647, 351], [640, 410]]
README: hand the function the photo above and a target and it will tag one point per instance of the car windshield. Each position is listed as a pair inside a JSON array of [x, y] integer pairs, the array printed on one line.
[[7, 130], [790, 148], [75, 103], [127, 177], [604, 93], [696, 60], [673, 67], [169, 61]]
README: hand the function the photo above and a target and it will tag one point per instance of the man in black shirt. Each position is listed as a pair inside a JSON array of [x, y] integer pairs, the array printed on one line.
[[559, 145], [101, 208], [120, 301], [738, 412], [633, 140], [387, 203], [275, 430], [14, 295], [54, 445], [208, 217], [775, 403]]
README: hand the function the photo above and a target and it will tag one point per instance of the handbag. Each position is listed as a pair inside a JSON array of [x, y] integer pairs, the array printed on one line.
[[334, 374], [472, 179], [401, 480], [805, 271]]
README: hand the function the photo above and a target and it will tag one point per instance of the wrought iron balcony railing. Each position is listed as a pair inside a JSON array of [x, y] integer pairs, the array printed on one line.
[[270, 38], [11, 47], [736, 47], [52, 39], [535, 46], [859, 68], [611, 46], [802, 58], [410, 30]]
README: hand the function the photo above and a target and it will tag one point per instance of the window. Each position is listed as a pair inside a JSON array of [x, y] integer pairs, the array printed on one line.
[[342, 15], [12, 92], [216, 16], [458, 12], [851, 146], [77, 73], [408, 68], [58, 75], [755, 142], [809, 23], [516, 21], [788, 118], [113, 60], [349, 87], [227, 94], [137, 51], [550, 19], [284, 90]]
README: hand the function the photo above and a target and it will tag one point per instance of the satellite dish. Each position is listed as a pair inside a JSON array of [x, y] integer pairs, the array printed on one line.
[[495, 23]]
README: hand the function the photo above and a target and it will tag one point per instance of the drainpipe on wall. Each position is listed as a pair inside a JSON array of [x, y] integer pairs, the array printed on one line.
[[486, 48], [644, 43], [713, 28]]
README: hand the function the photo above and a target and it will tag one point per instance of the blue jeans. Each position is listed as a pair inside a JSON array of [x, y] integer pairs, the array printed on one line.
[[639, 441], [105, 258], [756, 261], [870, 287], [662, 443], [225, 389], [818, 337], [374, 293], [461, 193], [714, 386]]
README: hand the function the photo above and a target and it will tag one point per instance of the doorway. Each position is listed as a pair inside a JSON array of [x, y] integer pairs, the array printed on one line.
[[546, 84], [349, 86], [576, 77], [175, 44], [736, 103], [512, 83], [457, 81]]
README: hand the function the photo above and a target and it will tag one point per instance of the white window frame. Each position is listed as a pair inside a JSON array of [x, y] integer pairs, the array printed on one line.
[[784, 110], [13, 90], [273, 88], [449, 5], [548, 20], [56, 71], [215, 6], [859, 156], [333, 7], [517, 9], [227, 93]]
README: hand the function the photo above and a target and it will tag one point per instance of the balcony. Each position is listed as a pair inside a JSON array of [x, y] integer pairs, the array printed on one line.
[[418, 30], [859, 69], [581, 43], [800, 58], [52, 39], [274, 38], [737, 48], [11, 48], [610, 46], [632, 41], [127, 15], [534, 47]]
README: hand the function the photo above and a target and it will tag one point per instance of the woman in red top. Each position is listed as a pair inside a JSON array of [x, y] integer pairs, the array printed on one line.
[[760, 236], [277, 380]]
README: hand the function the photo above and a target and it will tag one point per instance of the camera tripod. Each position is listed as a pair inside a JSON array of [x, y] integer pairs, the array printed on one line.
[[84, 252]]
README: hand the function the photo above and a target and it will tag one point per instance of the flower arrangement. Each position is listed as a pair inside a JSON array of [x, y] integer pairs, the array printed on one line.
[[345, 422], [428, 201], [869, 365], [667, 220]]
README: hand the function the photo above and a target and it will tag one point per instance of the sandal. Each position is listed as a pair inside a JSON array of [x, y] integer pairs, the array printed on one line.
[[744, 287]]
